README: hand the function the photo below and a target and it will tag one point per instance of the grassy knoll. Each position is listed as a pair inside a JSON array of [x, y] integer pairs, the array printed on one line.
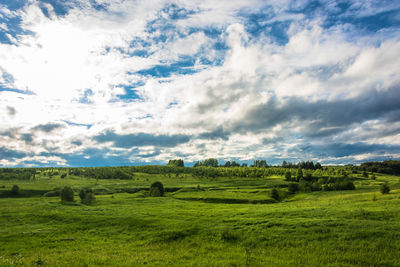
[[200, 222]]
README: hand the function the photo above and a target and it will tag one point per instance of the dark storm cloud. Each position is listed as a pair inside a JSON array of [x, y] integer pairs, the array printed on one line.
[[322, 118], [9, 154], [49, 127], [141, 139]]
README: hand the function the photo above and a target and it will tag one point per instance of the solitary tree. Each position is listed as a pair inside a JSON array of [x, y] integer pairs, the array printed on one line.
[[157, 189], [275, 194], [385, 189], [299, 174], [293, 188], [288, 176], [15, 190], [86, 195], [67, 195]]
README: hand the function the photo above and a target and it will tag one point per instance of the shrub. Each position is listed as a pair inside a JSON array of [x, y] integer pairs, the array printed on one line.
[[86, 195], [63, 175], [385, 189], [288, 176], [15, 190], [275, 194], [157, 189], [293, 188], [67, 195]]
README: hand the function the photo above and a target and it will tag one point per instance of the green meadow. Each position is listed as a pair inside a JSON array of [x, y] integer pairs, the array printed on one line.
[[200, 221]]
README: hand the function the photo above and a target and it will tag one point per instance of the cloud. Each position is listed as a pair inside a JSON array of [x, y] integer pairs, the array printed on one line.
[[140, 82], [49, 127], [11, 111], [141, 139], [10, 154]]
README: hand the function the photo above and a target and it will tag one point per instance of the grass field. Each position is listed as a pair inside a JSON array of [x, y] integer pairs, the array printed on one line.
[[200, 222]]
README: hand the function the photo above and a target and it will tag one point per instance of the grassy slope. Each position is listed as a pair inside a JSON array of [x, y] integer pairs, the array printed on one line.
[[323, 228]]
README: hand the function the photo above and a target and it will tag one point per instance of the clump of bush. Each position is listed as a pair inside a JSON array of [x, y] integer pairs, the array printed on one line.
[[67, 194], [156, 189], [87, 196], [275, 194], [385, 189], [15, 190], [293, 188]]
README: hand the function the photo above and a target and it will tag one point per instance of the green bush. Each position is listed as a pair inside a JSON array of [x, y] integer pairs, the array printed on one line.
[[15, 190], [275, 194], [385, 189], [293, 188], [288, 176], [156, 189], [87, 196], [67, 195]]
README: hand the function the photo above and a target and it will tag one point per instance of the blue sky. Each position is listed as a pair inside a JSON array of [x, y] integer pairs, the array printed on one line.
[[108, 83]]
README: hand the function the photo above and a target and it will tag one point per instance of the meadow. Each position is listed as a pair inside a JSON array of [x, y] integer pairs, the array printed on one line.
[[201, 221]]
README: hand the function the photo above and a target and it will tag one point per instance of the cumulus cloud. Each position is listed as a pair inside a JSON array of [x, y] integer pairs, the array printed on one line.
[[146, 82]]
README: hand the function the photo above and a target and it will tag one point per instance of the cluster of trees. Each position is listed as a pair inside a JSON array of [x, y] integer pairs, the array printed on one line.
[[325, 184], [17, 173], [388, 167], [176, 163], [307, 165], [207, 163], [122, 173]]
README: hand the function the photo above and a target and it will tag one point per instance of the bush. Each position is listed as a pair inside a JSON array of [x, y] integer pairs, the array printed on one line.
[[87, 196], [157, 189], [67, 195], [288, 176], [275, 194], [15, 190], [293, 188], [385, 189]]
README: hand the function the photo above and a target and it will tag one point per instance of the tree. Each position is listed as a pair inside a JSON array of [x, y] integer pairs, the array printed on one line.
[[235, 164], [275, 194], [67, 194], [227, 164], [176, 163], [156, 189], [86, 195], [299, 174], [260, 163], [284, 164], [293, 188], [15, 190], [288, 176], [385, 189]]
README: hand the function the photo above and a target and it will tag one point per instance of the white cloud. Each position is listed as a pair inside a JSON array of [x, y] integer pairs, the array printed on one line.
[[92, 49]]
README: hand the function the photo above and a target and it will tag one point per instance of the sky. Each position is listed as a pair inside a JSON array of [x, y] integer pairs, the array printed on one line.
[[114, 82]]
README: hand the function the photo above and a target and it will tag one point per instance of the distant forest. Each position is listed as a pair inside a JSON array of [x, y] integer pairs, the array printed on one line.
[[205, 168]]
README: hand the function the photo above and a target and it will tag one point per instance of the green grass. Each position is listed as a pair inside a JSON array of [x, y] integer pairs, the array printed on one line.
[[341, 228]]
